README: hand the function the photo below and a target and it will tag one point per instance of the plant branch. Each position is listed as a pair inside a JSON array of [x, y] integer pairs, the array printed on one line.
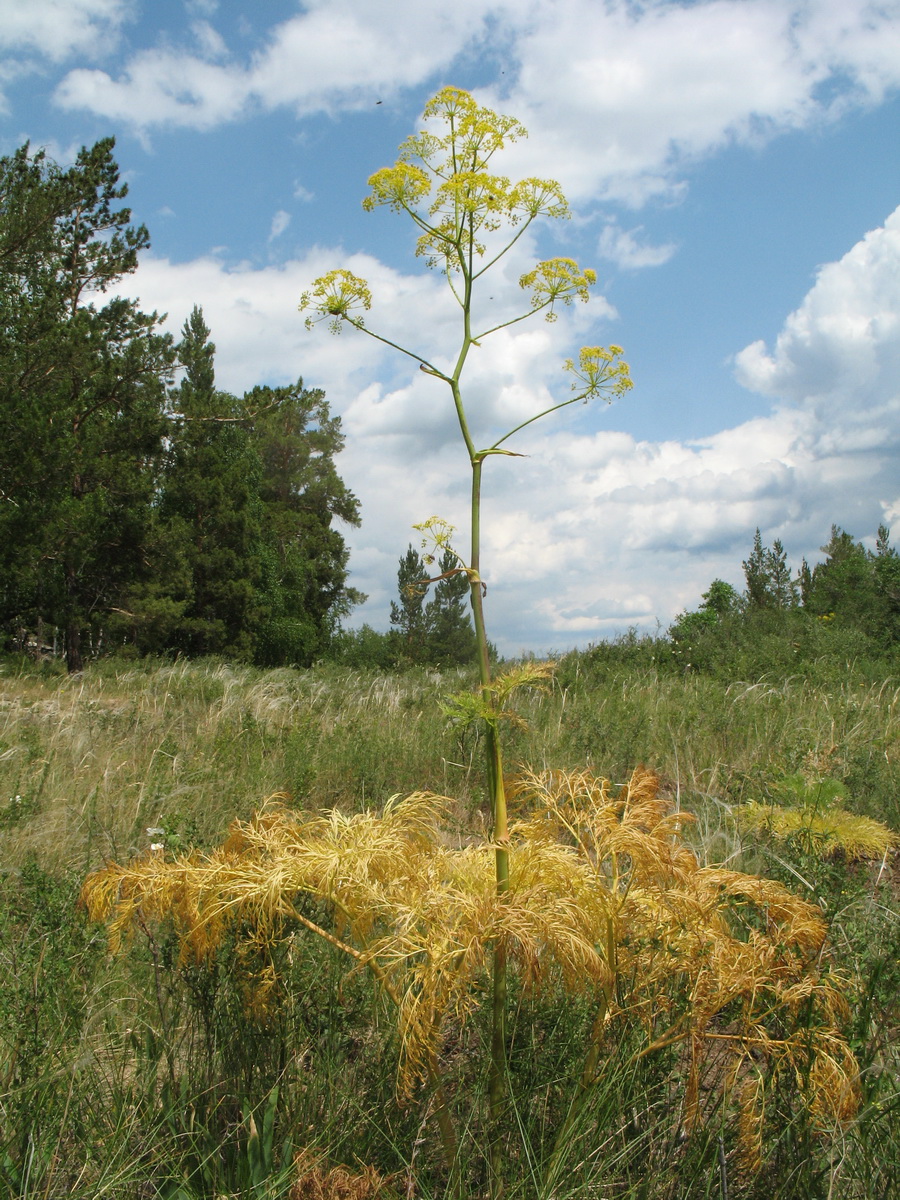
[[515, 320], [546, 413], [430, 368], [509, 245]]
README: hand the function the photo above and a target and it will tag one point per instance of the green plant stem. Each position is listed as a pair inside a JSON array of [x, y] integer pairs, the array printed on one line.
[[497, 1079]]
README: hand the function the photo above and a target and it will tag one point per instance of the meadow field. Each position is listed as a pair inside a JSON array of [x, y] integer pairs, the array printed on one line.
[[149, 1073]]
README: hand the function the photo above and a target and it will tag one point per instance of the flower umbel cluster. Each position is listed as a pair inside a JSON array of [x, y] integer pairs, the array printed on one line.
[[337, 295], [600, 371]]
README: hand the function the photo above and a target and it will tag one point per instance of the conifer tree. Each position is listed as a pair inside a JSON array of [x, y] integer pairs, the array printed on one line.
[[303, 589], [756, 575], [782, 587], [451, 638], [438, 630], [210, 505], [857, 588], [81, 394], [408, 616], [768, 576], [887, 576], [248, 501]]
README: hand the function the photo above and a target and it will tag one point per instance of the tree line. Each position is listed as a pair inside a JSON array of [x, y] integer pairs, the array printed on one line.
[[137, 512], [145, 510], [848, 603], [846, 606]]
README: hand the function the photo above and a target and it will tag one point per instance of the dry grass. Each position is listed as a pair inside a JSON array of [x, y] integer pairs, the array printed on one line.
[[96, 760], [99, 758]]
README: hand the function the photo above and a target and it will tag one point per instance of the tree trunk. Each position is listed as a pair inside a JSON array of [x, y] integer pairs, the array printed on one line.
[[74, 661]]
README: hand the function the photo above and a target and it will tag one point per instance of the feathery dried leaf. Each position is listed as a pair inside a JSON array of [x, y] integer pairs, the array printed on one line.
[[831, 831], [604, 898]]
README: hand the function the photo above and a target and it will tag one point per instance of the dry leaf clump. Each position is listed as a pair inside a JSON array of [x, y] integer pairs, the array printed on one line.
[[316, 1182], [605, 899]]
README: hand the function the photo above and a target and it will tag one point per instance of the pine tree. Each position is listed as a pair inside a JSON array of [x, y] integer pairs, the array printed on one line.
[[440, 631], [756, 574], [303, 590], [886, 564], [804, 583], [408, 617], [82, 388], [782, 588], [768, 576], [859, 589], [451, 638], [210, 507], [254, 565]]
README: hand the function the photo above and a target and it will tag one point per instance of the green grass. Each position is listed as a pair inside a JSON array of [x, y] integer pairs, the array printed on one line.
[[138, 1076], [97, 759]]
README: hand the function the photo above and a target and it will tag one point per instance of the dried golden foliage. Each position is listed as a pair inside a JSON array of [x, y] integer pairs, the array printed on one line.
[[752, 1101], [702, 954], [604, 898], [315, 1182], [831, 831]]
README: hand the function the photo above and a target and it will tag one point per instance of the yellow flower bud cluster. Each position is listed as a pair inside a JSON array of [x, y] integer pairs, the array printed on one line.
[[337, 295], [468, 200], [399, 187], [557, 279], [438, 535], [600, 371]]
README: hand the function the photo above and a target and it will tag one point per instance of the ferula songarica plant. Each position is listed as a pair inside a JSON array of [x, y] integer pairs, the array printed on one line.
[[591, 890], [468, 219]]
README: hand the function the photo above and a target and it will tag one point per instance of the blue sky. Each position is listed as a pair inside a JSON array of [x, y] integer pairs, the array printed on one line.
[[733, 167]]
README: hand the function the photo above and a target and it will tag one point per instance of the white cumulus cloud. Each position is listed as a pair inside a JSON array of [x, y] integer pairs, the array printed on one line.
[[629, 94], [629, 252], [844, 339], [56, 29], [594, 530], [39, 31], [329, 57], [626, 95]]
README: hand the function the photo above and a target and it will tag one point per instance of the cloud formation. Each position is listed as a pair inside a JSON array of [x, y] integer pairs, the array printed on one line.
[[628, 251], [593, 531], [844, 339], [589, 80], [56, 29], [331, 56], [280, 222], [721, 71]]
